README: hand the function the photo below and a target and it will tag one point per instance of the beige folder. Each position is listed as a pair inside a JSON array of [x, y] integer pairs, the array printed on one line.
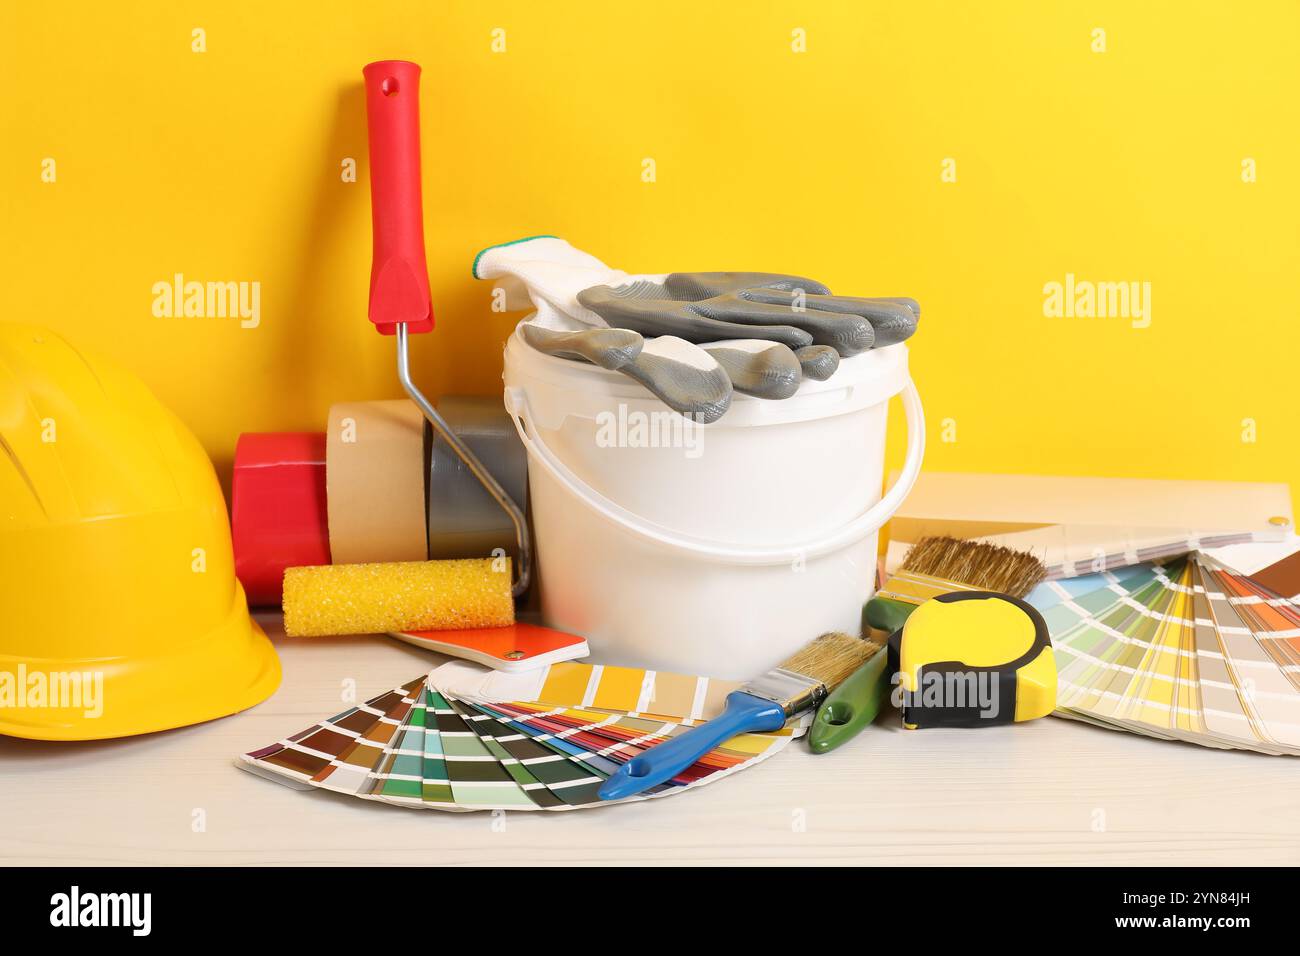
[[1083, 525]]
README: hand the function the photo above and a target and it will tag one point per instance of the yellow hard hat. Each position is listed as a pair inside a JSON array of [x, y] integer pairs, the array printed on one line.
[[119, 609]]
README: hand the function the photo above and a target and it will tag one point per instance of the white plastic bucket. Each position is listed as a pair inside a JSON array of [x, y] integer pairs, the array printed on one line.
[[716, 549]]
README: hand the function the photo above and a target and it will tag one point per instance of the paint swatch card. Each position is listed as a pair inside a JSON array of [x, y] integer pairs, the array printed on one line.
[[470, 738], [1186, 650], [338, 752], [574, 683]]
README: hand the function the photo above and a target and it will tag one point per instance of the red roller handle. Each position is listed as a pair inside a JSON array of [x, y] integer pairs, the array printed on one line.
[[399, 276]]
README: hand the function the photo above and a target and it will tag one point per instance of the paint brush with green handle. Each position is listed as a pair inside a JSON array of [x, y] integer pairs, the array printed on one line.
[[934, 566], [853, 705], [940, 565]]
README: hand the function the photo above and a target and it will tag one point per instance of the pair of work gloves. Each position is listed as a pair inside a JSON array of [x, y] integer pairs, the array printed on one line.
[[691, 338]]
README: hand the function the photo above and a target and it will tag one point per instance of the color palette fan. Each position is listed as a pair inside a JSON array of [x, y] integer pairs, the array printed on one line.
[[469, 738], [1187, 650]]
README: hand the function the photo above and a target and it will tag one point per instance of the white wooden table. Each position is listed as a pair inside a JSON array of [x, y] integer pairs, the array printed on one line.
[[1052, 791]]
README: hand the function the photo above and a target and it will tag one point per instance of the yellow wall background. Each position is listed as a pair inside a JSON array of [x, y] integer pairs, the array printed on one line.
[[1120, 165]]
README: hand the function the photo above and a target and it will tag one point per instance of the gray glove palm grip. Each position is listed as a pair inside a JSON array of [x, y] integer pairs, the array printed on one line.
[[795, 311]]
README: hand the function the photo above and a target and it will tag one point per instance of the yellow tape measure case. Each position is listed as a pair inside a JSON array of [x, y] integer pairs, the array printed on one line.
[[973, 659]]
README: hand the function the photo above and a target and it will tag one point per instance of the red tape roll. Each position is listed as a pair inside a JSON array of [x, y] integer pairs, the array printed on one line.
[[279, 517]]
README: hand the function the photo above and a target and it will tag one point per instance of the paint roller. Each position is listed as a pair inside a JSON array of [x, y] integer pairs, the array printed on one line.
[[412, 595]]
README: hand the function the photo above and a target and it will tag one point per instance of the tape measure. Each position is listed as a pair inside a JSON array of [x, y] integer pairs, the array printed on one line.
[[973, 659]]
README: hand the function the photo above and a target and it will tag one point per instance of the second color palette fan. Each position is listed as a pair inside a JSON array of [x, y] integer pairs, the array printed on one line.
[[1190, 650]]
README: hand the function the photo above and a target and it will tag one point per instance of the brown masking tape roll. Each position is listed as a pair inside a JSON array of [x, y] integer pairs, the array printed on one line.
[[374, 473]]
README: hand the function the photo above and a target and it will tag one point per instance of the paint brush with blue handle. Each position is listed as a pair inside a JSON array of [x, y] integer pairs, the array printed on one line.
[[799, 684]]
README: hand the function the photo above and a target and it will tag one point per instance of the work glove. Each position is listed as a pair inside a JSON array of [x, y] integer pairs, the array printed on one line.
[[708, 306], [689, 337]]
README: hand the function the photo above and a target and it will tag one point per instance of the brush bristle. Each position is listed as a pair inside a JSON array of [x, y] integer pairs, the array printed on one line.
[[831, 658], [985, 567]]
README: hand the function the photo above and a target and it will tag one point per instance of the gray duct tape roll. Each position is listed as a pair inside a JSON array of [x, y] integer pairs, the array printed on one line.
[[464, 520]]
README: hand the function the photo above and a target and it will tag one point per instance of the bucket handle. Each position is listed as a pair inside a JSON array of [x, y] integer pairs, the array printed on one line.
[[871, 520]]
